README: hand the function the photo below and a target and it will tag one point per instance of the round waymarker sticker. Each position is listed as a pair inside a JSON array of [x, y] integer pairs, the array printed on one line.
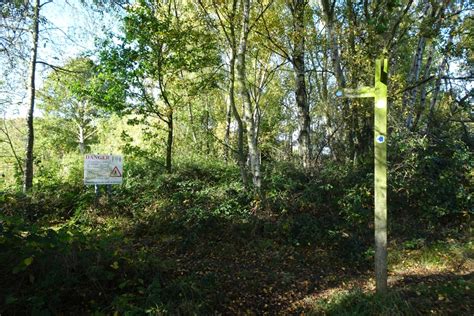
[[380, 139]]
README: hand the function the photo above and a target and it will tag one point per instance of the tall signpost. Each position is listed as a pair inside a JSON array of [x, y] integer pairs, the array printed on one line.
[[379, 93]]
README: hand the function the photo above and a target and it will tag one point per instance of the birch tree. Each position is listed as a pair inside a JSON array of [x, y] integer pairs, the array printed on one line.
[[254, 154], [298, 12], [28, 170], [227, 22], [66, 95]]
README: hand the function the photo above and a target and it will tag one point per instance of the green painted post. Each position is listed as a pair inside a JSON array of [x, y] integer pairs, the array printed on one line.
[[380, 174], [379, 93]]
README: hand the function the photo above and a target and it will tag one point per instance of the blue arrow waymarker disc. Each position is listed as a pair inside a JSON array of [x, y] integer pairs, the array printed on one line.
[[380, 139]]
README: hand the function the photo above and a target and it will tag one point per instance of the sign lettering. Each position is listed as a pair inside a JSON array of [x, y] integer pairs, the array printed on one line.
[[103, 169]]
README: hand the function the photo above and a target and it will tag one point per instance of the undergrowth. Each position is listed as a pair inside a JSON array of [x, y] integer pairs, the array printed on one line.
[[179, 243]]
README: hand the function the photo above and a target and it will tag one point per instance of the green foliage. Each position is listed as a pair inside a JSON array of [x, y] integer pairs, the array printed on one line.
[[430, 179], [115, 252], [69, 249], [164, 59], [196, 194], [56, 136], [54, 201], [66, 96], [87, 251], [167, 79], [98, 266], [11, 159], [13, 9]]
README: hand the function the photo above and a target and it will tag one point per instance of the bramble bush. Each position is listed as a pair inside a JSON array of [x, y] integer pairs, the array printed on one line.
[[430, 183]]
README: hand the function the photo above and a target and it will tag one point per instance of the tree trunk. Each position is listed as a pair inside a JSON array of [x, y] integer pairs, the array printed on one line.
[[436, 18], [208, 128], [437, 88], [289, 146], [304, 138], [28, 175], [231, 36], [191, 121], [81, 139], [409, 97], [240, 126], [443, 67], [169, 142], [421, 107], [335, 57], [245, 95], [228, 120], [328, 11]]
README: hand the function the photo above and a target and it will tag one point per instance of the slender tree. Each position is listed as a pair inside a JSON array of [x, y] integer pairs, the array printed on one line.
[[28, 170], [228, 24], [163, 42], [251, 124], [66, 95], [298, 8]]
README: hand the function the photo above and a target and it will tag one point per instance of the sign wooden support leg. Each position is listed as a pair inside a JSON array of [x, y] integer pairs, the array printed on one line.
[[379, 93], [97, 191]]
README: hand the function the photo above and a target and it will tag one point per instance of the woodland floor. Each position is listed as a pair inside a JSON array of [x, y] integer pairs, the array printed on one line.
[[109, 264], [267, 278]]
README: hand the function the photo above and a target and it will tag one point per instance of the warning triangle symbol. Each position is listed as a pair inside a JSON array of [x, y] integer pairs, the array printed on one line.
[[115, 172]]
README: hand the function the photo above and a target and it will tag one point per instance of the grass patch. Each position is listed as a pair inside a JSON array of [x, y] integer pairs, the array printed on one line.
[[356, 302], [416, 255]]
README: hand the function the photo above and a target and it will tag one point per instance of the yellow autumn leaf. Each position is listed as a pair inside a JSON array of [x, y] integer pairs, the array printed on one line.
[[115, 265], [28, 261]]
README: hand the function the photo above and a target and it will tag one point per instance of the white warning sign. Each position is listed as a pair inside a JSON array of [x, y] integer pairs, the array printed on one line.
[[103, 169]]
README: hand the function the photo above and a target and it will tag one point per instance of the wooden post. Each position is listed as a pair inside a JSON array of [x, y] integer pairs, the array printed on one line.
[[379, 93], [380, 174]]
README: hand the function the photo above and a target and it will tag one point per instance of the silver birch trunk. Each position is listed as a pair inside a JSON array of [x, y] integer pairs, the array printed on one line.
[[421, 107], [254, 155], [304, 138], [191, 121], [81, 139], [335, 56], [240, 126], [409, 98], [28, 174], [437, 86], [328, 11], [436, 90]]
